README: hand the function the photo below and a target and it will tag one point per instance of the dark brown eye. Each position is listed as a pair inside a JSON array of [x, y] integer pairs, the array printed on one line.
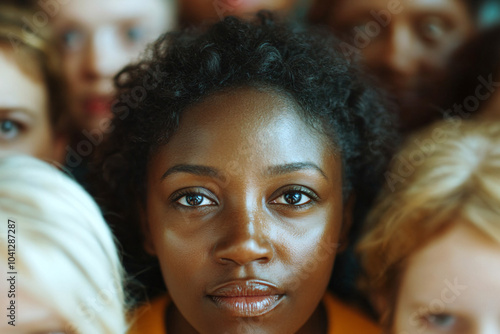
[[293, 198], [194, 199]]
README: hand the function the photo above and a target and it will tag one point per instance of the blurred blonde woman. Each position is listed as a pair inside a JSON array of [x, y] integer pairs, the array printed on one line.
[[61, 272], [34, 115], [432, 250]]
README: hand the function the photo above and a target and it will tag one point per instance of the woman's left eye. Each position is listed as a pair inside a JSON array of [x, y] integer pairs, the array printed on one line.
[[292, 198], [195, 200], [134, 34]]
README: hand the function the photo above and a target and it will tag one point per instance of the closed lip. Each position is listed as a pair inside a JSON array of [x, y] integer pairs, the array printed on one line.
[[246, 298], [98, 105]]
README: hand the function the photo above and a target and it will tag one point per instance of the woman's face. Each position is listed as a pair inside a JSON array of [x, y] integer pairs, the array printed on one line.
[[25, 125], [97, 38], [451, 286], [244, 210]]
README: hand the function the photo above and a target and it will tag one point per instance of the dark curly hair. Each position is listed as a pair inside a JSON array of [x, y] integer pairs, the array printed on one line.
[[182, 68]]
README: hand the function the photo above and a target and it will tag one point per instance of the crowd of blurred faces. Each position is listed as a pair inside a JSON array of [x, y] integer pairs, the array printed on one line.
[[434, 59]]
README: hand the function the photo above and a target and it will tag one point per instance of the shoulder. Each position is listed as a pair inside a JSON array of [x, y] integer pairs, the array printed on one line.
[[343, 319], [150, 318]]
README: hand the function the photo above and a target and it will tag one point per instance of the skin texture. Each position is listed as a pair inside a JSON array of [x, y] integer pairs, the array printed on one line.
[[24, 109], [407, 45], [196, 11], [464, 259], [97, 38], [245, 229]]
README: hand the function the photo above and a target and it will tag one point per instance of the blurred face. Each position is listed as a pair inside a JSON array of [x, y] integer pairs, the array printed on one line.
[[244, 209], [451, 286], [24, 108], [407, 44], [98, 38], [196, 11], [30, 316]]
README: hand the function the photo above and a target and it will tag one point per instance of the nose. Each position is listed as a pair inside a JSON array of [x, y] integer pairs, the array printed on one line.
[[244, 240], [102, 59], [401, 51]]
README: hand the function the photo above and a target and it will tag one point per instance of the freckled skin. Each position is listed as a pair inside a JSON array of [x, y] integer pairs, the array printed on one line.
[[248, 231]]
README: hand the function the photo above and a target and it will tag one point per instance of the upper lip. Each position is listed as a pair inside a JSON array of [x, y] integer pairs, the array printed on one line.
[[245, 288]]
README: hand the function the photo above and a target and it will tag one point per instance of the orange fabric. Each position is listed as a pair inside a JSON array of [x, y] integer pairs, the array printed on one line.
[[342, 319]]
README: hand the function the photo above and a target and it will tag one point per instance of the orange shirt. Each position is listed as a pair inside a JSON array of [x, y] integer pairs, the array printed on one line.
[[342, 319]]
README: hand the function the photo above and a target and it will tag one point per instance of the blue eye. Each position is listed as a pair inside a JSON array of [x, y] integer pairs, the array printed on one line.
[[134, 34], [442, 320], [72, 39], [9, 129]]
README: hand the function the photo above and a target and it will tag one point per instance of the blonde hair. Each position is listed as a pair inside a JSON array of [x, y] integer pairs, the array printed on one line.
[[67, 258], [449, 171]]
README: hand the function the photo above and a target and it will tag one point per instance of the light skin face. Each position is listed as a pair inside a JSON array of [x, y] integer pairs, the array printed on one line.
[[406, 44], [200, 10], [245, 192], [24, 109], [97, 38], [451, 286]]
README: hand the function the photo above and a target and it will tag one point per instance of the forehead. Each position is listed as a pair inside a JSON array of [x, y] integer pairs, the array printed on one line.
[[20, 81], [399, 7], [251, 127], [463, 256], [90, 12]]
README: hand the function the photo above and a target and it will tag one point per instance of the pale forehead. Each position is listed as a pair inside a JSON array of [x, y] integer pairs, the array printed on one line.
[[463, 263], [98, 11], [18, 83], [398, 6]]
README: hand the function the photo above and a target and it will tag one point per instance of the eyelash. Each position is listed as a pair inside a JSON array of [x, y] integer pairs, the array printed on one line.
[[311, 195]]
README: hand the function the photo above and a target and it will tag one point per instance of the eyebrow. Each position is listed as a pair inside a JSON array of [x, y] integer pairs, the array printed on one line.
[[294, 167], [201, 170], [193, 169]]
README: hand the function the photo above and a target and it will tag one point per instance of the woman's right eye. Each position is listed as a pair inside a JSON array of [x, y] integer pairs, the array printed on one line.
[[9, 129], [72, 39], [194, 200], [441, 320]]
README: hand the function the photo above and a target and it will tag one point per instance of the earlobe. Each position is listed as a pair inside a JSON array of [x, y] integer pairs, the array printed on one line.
[[147, 242], [346, 223]]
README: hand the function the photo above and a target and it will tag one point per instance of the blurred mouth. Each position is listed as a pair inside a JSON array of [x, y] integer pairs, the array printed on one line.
[[97, 105], [249, 298]]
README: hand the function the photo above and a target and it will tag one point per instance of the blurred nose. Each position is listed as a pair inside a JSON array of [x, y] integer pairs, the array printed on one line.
[[102, 59], [244, 238], [400, 54]]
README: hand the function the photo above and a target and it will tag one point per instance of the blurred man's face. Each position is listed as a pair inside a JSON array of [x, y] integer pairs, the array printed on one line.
[[406, 43]]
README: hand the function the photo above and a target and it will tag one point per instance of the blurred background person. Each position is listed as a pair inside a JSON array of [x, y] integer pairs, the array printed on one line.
[[406, 44], [96, 39], [473, 87], [34, 112], [69, 279], [432, 249], [198, 11]]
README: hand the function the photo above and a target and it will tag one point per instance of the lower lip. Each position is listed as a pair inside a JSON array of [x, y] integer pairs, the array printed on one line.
[[97, 107], [248, 306]]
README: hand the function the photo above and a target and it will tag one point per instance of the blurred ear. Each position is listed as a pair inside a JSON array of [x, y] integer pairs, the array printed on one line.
[[147, 242], [346, 222]]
